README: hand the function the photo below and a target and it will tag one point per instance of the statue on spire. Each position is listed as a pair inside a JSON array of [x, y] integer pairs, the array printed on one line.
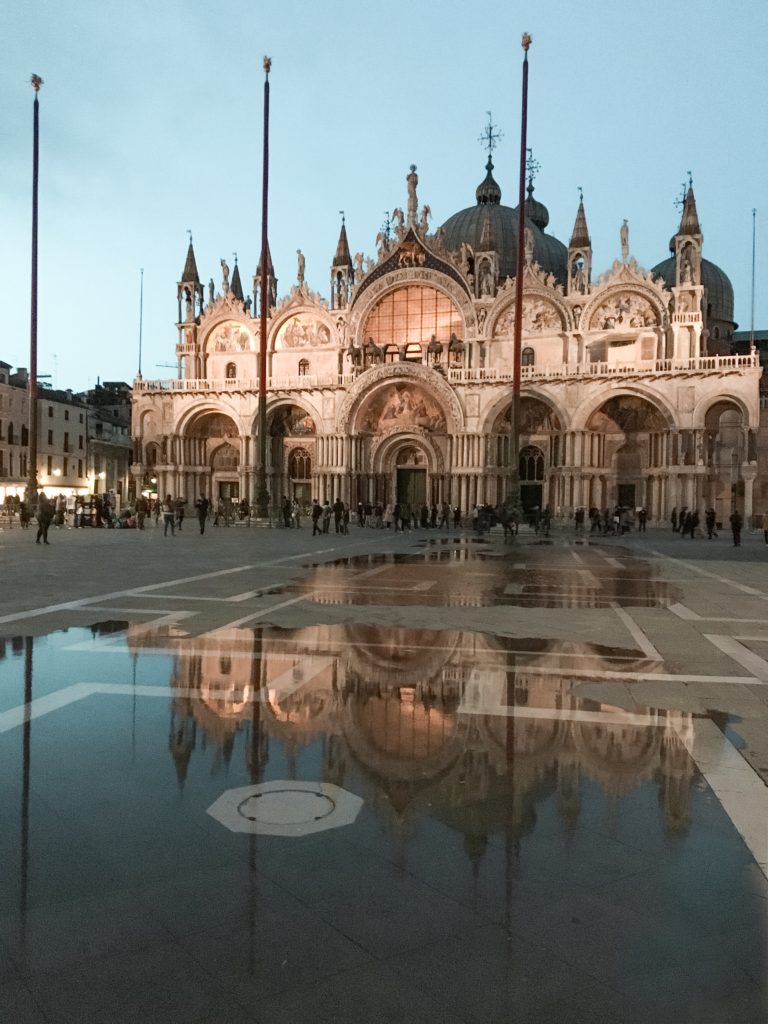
[[624, 239], [413, 203]]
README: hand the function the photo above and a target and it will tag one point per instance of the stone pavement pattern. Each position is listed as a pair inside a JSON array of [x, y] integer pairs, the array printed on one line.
[[555, 752]]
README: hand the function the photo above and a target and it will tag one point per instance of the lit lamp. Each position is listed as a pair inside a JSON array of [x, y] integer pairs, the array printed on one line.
[[57, 472]]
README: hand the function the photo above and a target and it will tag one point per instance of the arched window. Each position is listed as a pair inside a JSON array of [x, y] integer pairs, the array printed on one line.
[[531, 464], [300, 464], [10, 434], [303, 367], [528, 357], [231, 371], [413, 314], [24, 434]]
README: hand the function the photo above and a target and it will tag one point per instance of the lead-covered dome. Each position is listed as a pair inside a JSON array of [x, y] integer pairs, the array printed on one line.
[[488, 219], [718, 290]]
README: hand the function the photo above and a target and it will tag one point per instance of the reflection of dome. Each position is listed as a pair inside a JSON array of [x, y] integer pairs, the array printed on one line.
[[718, 290], [488, 218]]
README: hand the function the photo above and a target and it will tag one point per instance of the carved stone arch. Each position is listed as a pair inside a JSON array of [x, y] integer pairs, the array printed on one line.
[[659, 403], [286, 401], [391, 282], [379, 376], [531, 296], [501, 404], [198, 410], [724, 399], [309, 311], [385, 446], [218, 450], [613, 293], [247, 326]]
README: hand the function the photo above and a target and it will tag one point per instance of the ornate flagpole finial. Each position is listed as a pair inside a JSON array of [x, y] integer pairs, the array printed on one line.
[[189, 232], [690, 179], [267, 65], [527, 40], [581, 193], [341, 213], [36, 81], [532, 168]]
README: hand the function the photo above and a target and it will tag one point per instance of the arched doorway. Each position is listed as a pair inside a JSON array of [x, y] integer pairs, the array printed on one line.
[[212, 447], [531, 470], [629, 427], [292, 434], [725, 451], [411, 476]]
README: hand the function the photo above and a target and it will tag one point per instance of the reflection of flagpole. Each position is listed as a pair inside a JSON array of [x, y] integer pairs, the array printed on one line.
[[262, 496], [25, 778], [513, 498]]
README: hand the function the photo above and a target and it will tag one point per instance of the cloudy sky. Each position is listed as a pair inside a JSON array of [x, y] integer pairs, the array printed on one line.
[[151, 120]]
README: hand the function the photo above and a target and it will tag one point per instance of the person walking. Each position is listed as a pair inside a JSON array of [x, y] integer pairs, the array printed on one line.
[[327, 513], [673, 519], [201, 508], [709, 519], [44, 517], [765, 527], [142, 507], [642, 520], [169, 515], [736, 524], [338, 515], [317, 514], [179, 510]]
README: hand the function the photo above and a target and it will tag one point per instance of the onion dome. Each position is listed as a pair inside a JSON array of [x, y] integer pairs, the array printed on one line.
[[489, 218]]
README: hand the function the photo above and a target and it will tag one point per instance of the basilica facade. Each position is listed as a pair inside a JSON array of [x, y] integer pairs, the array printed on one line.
[[399, 386]]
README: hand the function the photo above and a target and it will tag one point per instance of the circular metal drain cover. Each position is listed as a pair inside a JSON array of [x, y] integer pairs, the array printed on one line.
[[286, 808]]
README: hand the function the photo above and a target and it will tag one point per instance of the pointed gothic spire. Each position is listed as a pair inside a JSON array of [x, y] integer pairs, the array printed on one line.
[[189, 274], [689, 222], [580, 235], [342, 257], [270, 267], [236, 286]]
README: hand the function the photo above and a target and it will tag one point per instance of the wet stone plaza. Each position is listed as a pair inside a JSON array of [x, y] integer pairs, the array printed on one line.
[[383, 779]]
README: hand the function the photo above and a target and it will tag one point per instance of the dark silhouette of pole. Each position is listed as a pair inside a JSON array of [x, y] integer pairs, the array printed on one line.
[[262, 495], [141, 317], [513, 498], [752, 307], [32, 449]]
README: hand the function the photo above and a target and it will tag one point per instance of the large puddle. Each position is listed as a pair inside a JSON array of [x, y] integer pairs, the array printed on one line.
[[451, 575]]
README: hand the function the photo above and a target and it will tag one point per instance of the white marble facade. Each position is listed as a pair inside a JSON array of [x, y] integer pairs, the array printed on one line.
[[400, 385]]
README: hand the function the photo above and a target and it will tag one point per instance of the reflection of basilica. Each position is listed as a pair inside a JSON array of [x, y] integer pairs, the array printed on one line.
[[399, 387], [465, 727]]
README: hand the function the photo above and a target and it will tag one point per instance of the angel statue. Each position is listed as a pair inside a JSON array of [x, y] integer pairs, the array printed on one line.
[[224, 276], [300, 268], [624, 238]]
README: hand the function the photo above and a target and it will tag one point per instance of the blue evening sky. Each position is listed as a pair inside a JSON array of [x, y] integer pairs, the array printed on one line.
[[151, 118]]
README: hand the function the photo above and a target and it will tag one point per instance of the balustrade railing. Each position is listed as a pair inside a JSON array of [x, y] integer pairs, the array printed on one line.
[[458, 375]]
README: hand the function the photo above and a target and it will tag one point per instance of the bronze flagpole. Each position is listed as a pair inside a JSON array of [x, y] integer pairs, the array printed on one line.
[[31, 495], [513, 498], [262, 495]]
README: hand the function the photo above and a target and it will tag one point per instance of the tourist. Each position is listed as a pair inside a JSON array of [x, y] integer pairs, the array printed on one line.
[[765, 527], [445, 514], [736, 524], [296, 512], [388, 516], [338, 515], [178, 509], [456, 517], [433, 516], [169, 514], [405, 517], [673, 519], [285, 512], [709, 519], [201, 508], [44, 517], [360, 514], [317, 514], [642, 520], [142, 506], [578, 520], [327, 513]]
